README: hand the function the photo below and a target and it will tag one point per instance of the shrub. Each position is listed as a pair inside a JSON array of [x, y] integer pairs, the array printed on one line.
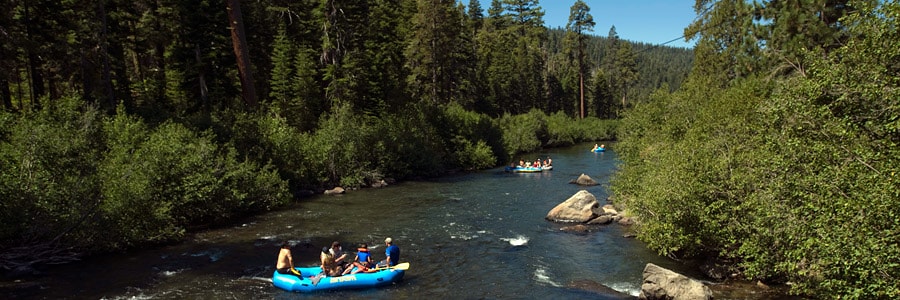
[[47, 172], [467, 136], [523, 133], [156, 183]]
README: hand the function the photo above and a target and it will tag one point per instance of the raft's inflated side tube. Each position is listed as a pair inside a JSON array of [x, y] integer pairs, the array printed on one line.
[[291, 282]]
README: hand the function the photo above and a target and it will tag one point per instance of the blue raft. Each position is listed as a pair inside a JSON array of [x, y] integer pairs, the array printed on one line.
[[520, 169], [291, 282]]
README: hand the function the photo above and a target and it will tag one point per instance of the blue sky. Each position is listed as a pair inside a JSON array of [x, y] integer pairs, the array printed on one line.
[[649, 21]]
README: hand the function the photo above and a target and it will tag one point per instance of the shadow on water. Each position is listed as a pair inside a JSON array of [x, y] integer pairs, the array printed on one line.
[[477, 235]]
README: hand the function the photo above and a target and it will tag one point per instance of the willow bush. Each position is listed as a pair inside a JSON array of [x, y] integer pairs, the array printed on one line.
[[94, 183], [794, 178], [472, 139], [48, 166]]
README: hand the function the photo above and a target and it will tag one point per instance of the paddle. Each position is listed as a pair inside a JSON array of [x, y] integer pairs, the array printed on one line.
[[295, 272], [400, 266]]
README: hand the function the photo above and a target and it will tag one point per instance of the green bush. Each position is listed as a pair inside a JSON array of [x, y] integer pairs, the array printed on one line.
[[565, 131], [409, 146], [471, 139], [47, 172], [91, 183], [158, 182], [793, 178], [523, 133]]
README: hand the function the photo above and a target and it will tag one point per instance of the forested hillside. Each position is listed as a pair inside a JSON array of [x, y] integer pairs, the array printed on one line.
[[779, 155], [125, 123]]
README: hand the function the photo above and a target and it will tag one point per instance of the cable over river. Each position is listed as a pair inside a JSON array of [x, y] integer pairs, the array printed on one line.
[[476, 235]]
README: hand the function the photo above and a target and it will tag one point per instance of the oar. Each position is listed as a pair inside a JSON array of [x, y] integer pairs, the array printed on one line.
[[401, 266], [295, 272]]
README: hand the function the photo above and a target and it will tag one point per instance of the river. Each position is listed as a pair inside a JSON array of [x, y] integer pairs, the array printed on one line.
[[474, 235]]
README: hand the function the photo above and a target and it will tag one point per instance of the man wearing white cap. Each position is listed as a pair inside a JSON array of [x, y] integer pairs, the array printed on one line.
[[392, 252]]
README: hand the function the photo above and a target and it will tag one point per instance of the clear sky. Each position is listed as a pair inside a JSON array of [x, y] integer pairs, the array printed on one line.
[[649, 21]]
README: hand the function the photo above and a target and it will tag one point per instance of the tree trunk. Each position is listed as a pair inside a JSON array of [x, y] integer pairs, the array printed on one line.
[[581, 86], [242, 54], [5, 94], [104, 49], [36, 83], [204, 91]]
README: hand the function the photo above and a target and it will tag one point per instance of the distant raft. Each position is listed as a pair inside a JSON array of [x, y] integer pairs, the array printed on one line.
[[598, 149], [304, 283], [521, 169]]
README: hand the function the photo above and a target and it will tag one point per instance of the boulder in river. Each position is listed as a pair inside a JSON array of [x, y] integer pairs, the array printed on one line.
[[577, 228], [335, 191], [598, 288], [578, 208], [661, 283], [584, 180]]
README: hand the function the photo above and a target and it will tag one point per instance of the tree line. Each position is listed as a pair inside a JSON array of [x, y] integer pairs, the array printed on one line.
[[127, 123], [778, 156]]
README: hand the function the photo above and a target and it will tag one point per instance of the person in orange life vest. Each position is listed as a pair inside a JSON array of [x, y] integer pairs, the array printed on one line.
[[363, 260]]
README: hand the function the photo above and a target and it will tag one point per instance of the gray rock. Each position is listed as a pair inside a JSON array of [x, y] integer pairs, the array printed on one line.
[[584, 180], [578, 208], [335, 191], [601, 220], [661, 283]]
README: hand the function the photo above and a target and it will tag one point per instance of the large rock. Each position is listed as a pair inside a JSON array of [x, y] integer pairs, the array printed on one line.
[[584, 180], [577, 208], [660, 283], [598, 288], [335, 191], [577, 228], [601, 220]]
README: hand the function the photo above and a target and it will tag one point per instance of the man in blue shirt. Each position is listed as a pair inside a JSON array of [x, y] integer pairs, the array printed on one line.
[[392, 252]]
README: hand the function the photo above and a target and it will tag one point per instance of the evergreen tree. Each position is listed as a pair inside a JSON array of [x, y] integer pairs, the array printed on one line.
[[794, 26], [727, 45], [307, 91], [602, 101], [436, 33], [281, 78], [625, 69], [241, 52], [609, 60], [580, 21], [527, 28]]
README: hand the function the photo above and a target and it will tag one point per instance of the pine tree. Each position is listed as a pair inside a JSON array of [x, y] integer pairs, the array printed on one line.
[[728, 46], [436, 33], [795, 26], [281, 78], [580, 21], [241, 52], [626, 69]]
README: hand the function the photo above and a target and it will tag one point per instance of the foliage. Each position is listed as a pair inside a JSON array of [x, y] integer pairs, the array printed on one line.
[[48, 165], [523, 133], [96, 184], [471, 138], [123, 125], [791, 176]]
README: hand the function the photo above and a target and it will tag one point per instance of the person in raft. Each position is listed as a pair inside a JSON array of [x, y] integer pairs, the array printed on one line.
[[339, 256], [285, 263], [595, 147], [392, 253], [329, 265], [363, 260]]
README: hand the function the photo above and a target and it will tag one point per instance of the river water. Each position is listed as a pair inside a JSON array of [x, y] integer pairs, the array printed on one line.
[[475, 235]]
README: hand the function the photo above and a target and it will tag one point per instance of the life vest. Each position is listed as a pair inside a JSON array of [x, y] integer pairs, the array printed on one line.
[[363, 254]]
